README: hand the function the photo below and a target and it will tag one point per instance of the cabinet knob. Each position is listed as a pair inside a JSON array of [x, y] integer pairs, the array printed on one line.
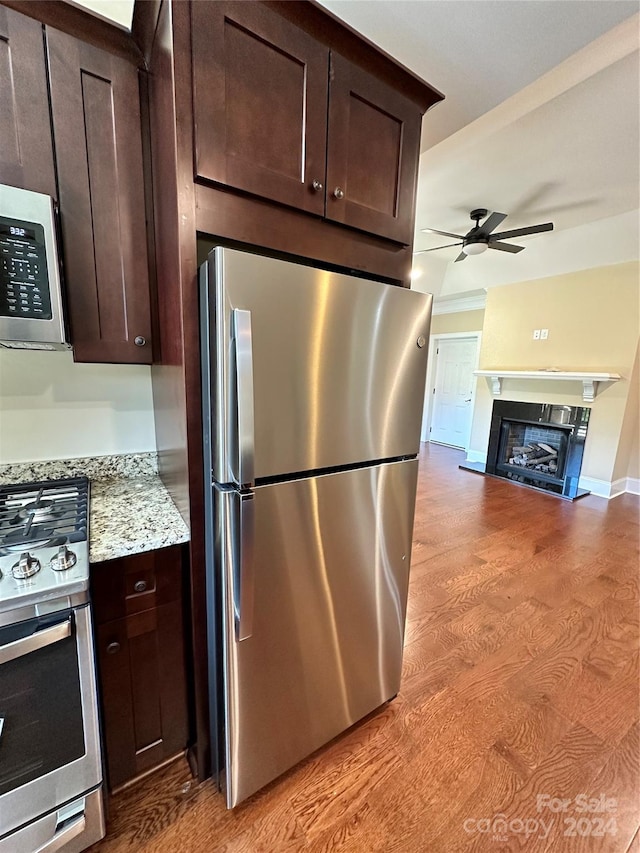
[[113, 648], [316, 186], [140, 586], [338, 193], [139, 341]]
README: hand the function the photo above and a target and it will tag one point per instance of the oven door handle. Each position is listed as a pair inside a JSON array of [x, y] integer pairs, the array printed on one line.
[[36, 641], [61, 839]]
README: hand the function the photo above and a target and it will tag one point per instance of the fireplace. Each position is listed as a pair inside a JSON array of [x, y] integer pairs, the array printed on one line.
[[539, 445]]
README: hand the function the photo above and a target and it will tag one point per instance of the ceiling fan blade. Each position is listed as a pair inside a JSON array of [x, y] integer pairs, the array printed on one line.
[[492, 222], [442, 233], [506, 247], [461, 257], [435, 249], [521, 232]]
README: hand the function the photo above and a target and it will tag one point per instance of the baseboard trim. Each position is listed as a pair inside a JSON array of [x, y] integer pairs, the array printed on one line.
[[477, 456], [633, 486], [604, 488]]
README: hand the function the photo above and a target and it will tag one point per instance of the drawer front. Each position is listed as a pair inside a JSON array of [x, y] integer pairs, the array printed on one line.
[[130, 585]]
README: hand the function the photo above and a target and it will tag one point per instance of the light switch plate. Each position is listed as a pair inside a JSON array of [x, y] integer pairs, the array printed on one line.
[[544, 334], [536, 334]]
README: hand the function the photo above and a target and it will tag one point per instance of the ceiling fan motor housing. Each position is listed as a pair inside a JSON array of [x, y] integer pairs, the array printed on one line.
[[478, 214]]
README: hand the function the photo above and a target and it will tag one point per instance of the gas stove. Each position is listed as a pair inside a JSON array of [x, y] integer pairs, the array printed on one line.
[[44, 541], [51, 767]]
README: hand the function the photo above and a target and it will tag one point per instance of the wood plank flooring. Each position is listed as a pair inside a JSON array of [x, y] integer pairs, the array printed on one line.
[[520, 694]]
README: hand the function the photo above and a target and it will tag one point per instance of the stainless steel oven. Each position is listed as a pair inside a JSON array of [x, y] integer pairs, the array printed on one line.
[[50, 760]]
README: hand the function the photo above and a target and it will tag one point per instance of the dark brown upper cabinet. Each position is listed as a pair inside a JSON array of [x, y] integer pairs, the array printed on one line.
[[260, 103], [95, 107], [373, 146], [279, 115], [26, 151]]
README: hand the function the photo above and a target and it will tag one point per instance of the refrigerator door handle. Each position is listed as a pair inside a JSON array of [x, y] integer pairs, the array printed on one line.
[[243, 578], [243, 351]]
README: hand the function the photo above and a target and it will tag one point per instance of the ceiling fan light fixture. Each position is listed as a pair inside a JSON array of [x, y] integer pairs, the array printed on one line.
[[475, 248]]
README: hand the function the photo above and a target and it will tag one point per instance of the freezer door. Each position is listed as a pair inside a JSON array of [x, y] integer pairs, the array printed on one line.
[[306, 369], [313, 612]]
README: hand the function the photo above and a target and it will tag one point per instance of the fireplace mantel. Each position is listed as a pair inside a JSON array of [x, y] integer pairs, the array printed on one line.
[[589, 380]]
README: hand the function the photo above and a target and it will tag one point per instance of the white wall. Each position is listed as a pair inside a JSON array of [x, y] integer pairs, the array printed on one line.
[[51, 408], [593, 317]]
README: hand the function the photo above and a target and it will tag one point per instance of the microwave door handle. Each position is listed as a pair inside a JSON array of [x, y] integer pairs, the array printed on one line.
[[244, 440], [61, 839], [36, 641], [243, 575]]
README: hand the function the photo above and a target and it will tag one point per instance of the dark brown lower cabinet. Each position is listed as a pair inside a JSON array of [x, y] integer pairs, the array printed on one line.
[[137, 604]]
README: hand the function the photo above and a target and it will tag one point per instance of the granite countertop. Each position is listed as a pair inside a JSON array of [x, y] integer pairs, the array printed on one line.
[[132, 514], [130, 509]]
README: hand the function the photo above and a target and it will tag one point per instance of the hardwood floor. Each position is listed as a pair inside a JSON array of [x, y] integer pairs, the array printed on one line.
[[520, 693]]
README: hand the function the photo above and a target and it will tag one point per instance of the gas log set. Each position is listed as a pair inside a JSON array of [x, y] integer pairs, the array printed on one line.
[[536, 457]]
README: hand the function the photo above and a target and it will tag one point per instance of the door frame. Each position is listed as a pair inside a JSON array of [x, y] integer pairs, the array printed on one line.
[[427, 411]]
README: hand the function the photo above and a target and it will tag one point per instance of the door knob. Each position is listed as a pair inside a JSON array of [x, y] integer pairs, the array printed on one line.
[[139, 341], [316, 186], [113, 648], [338, 193]]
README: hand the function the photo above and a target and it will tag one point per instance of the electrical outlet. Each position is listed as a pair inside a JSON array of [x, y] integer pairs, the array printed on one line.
[[536, 334], [544, 334]]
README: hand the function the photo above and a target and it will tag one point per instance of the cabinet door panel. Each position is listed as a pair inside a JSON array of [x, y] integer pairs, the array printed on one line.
[[260, 103], [117, 701], [96, 120], [26, 152], [373, 149], [141, 661]]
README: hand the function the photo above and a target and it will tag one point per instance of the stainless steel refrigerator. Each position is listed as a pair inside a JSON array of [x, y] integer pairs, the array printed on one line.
[[313, 388]]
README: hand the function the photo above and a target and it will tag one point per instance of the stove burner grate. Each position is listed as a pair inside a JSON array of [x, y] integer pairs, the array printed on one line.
[[46, 513]]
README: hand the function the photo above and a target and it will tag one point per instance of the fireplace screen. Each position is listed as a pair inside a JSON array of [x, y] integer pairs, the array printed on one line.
[[538, 444], [528, 450]]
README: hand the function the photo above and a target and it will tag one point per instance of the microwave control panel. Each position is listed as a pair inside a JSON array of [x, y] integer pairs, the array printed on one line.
[[24, 280]]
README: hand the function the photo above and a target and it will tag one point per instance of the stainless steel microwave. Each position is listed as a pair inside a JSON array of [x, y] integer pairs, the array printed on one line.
[[31, 304]]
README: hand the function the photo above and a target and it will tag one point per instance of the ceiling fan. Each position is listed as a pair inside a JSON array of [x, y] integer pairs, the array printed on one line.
[[480, 237]]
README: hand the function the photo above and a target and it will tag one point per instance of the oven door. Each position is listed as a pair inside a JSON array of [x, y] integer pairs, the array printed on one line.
[[49, 747]]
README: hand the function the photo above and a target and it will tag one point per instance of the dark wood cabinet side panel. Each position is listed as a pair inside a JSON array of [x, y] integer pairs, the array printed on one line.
[[260, 103], [96, 119], [108, 594], [372, 153], [26, 152], [117, 701]]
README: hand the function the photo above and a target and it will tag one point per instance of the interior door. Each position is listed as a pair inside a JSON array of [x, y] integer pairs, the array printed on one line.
[[452, 410], [338, 365], [314, 623]]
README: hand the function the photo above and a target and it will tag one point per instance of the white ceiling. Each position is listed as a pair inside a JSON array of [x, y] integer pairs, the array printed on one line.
[[540, 121], [119, 12]]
